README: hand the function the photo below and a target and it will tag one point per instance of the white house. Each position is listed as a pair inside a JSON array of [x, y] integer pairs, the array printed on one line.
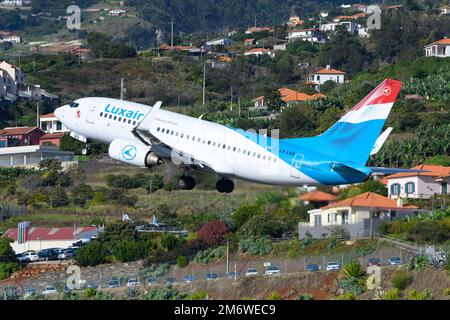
[[47, 238], [350, 26], [420, 185], [117, 12], [440, 49], [445, 10], [50, 124], [327, 74], [10, 38], [260, 52], [11, 79], [360, 216], [312, 35], [14, 3], [220, 42]]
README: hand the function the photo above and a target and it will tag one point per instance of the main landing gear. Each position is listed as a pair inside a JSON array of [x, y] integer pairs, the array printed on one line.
[[186, 183], [225, 186]]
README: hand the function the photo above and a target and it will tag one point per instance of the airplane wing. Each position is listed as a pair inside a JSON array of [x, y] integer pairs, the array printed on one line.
[[381, 140], [178, 154]]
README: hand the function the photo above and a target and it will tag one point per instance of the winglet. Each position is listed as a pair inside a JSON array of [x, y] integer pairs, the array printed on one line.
[[157, 106]]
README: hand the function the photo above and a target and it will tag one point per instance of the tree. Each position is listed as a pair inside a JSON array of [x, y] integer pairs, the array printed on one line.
[[81, 193], [8, 262], [59, 198], [213, 233], [243, 213]]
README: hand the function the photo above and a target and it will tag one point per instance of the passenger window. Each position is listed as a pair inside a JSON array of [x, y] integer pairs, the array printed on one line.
[[176, 134], [163, 130], [229, 147], [115, 117], [187, 137], [259, 156], [199, 140], [134, 123], [254, 154], [209, 142], [219, 145], [129, 121], [214, 143], [224, 146], [101, 114], [110, 116], [234, 148], [182, 135], [243, 151]]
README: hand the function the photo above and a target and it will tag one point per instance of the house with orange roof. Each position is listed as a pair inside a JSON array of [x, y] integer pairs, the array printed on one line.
[[317, 198], [20, 136], [295, 21], [260, 52], [50, 124], [249, 42], [420, 185], [440, 49], [258, 29], [289, 97], [326, 74], [360, 215]]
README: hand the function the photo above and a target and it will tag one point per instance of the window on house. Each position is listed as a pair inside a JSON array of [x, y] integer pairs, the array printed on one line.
[[317, 220], [395, 189], [410, 187]]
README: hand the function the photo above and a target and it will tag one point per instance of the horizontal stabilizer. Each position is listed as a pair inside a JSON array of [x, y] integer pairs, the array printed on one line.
[[380, 141], [394, 170]]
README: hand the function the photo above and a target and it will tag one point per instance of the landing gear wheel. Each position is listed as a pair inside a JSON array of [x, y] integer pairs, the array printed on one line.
[[186, 183], [86, 150], [225, 186]]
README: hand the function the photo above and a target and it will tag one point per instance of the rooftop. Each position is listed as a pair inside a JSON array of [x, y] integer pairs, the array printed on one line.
[[17, 130], [66, 233], [370, 200], [50, 115], [329, 71], [445, 41], [317, 196], [429, 171]]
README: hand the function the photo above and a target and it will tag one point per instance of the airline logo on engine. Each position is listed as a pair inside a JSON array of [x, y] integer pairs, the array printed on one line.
[[121, 112], [129, 152]]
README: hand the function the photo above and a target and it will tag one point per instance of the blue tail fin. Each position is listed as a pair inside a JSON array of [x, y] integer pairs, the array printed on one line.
[[352, 138]]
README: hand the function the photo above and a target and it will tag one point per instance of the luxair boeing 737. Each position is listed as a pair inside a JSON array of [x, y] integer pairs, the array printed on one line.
[[146, 136]]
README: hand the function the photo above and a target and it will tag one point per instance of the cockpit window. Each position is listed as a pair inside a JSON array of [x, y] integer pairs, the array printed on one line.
[[74, 105]]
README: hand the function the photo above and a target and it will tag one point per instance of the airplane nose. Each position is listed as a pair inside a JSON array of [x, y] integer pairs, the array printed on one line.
[[59, 113]]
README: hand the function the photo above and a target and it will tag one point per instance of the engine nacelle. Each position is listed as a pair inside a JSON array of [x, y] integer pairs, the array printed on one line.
[[133, 152]]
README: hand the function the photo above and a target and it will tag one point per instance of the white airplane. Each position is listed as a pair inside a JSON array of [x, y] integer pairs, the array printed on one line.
[[146, 136]]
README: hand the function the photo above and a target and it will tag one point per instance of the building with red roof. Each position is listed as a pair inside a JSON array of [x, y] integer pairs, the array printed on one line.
[[440, 49], [360, 215], [317, 198], [420, 185], [326, 74], [20, 136], [46, 238]]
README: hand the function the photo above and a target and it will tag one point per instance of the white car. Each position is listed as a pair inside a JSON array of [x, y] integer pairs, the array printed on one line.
[[133, 282], [31, 256], [251, 272], [332, 266], [271, 271], [49, 290]]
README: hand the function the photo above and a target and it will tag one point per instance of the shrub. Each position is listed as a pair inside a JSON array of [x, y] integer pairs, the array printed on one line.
[[90, 293], [213, 233], [274, 295], [339, 232], [206, 256], [364, 251], [154, 270], [417, 295], [351, 285], [199, 295], [346, 296], [401, 280], [304, 297], [256, 246], [131, 250], [132, 293], [92, 254], [167, 293], [10, 293], [8, 268], [182, 261], [353, 270], [393, 294]]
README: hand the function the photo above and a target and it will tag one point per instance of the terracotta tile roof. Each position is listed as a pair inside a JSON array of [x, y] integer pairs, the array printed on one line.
[[50, 115], [258, 98], [431, 171], [317, 196], [329, 71], [225, 59], [66, 233], [303, 30], [288, 95], [52, 136], [344, 17], [368, 199], [257, 50], [445, 41], [359, 15], [249, 40], [17, 131]]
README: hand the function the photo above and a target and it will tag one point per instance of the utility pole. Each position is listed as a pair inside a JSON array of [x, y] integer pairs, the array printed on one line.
[[228, 257], [171, 33], [231, 97], [204, 83], [121, 89], [37, 115]]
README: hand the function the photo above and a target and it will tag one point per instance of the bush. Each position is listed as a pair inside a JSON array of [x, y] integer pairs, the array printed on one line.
[[8, 268], [353, 270], [274, 295], [213, 233], [417, 295], [154, 270], [167, 293], [393, 294], [182, 261], [206, 256], [130, 250], [199, 295], [364, 251], [256, 246], [92, 254], [401, 280]]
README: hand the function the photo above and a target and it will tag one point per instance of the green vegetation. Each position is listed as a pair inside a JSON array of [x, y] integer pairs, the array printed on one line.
[[8, 262], [420, 295], [401, 280]]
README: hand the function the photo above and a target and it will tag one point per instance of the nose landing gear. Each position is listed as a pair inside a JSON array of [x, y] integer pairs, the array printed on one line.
[[86, 150], [225, 186]]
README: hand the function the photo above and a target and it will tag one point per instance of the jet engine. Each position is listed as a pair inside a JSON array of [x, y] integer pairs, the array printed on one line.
[[133, 152]]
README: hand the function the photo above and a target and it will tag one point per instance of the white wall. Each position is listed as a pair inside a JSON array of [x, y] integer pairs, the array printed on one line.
[[322, 78], [41, 245]]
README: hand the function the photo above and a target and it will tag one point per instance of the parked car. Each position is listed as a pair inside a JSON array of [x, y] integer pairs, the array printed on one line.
[[394, 261], [374, 262], [113, 284], [251, 272], [271, 271], [313, 267], [22, 258], [151, 280], [189, 278], [91, 285], [49, 290], [47, 255], [133, 282], [31, 256], [333, 266], [30, 292], [66, 254], [58, 251], [212, 276], [233, 275], [171, 280]]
